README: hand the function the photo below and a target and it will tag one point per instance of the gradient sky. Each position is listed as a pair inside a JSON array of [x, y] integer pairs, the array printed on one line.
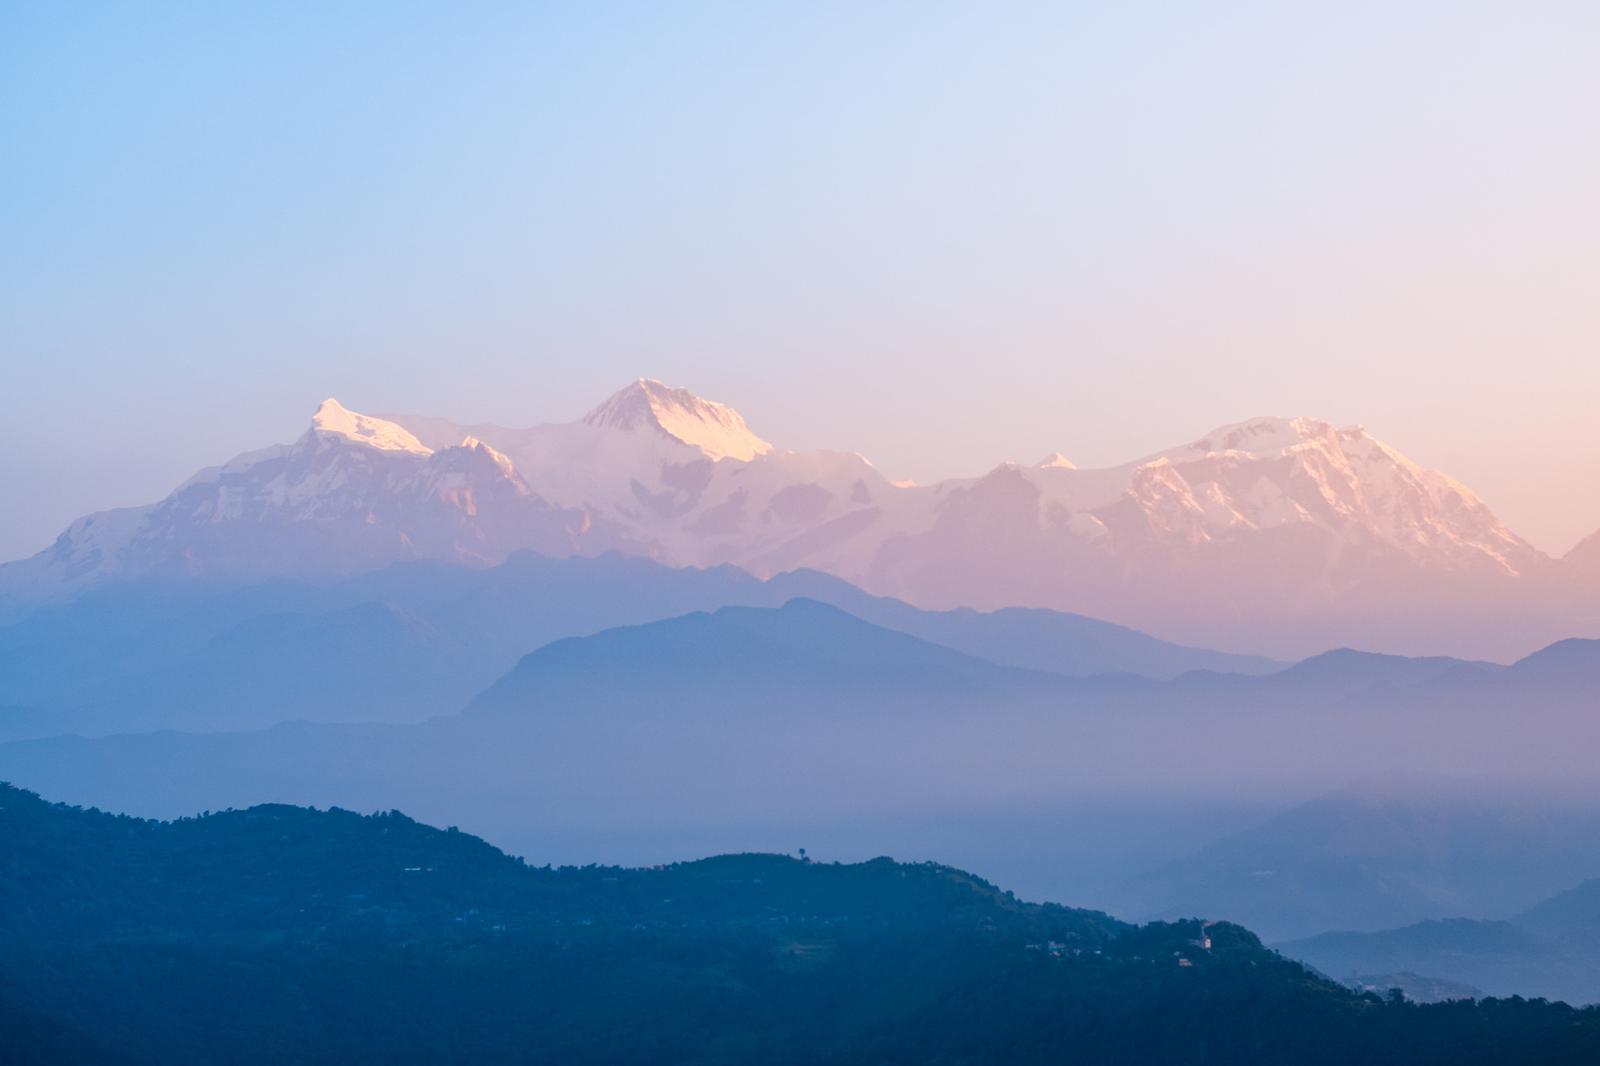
[[941, 235]]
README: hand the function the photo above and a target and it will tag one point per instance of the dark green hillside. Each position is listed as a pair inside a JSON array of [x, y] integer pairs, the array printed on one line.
[[281, 934]]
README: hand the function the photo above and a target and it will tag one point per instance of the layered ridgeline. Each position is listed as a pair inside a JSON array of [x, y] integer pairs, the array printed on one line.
[[1281, 535], [743, 726], [1548, 950], [280, 934], [1396, 849], [419, 639]]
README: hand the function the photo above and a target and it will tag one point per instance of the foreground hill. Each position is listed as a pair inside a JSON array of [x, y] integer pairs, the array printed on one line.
[[280, 934]]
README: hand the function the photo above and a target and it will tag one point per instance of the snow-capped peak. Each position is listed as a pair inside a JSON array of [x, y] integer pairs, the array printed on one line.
[[715, 429], [1262, 436], [1056, 461], [472, 443], [334, 418]]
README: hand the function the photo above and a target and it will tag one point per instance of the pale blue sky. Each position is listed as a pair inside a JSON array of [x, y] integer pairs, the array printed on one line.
[[941, 235]]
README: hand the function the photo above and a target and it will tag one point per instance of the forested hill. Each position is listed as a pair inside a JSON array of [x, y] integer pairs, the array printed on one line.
[[282, 934]]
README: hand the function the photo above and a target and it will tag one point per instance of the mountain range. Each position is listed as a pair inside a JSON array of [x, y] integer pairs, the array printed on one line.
[[626, 744], [652, 633], [418, 639], [1281, 536]]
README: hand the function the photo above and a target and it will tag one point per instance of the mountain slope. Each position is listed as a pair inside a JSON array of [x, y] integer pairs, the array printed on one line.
[[420, 639], [1499, 958], [1548, 950], [1352, 670], [1286, 535], [1391, 851], [715, 429], [282, 934], [803, 637], [689, 480], [813, 718], [791, 709], [1030, 638], [353, 494], [369, 662], [1323, 536], [1582, 563], [400, 644], [757, 727]]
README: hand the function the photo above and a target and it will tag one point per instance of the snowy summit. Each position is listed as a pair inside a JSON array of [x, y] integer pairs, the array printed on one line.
[[716, 429], [333, 417]]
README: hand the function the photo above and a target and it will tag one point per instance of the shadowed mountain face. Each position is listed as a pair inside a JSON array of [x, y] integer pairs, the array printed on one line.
[[1393, 850], [1549, 950], [281, 934], [805, 643], [422, 639], [1278, 535], [803, 705], [400, 644], [1352, 670], [1572, 917], [1030, 638]]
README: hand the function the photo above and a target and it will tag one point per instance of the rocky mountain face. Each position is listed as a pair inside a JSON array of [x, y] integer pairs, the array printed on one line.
[[1277, 535]]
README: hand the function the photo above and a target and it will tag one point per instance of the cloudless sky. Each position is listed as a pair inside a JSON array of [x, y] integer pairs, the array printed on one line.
[[943, 235]]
